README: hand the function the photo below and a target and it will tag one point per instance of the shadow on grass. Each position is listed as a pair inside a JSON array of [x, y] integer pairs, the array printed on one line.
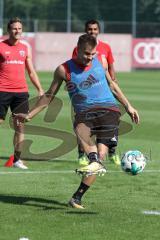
[[43, 203], [33, 201]]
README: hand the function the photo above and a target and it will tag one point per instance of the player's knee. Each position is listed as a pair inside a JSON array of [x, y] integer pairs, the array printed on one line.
[[1, 121], [80, 128], [102, 155]]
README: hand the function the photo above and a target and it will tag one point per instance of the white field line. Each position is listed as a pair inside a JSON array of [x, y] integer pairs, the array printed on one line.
[[64, 171], [39, 172], [151, 212]]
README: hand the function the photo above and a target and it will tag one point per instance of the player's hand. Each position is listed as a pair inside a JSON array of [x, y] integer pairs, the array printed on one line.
[[133, 114], [40, 92]]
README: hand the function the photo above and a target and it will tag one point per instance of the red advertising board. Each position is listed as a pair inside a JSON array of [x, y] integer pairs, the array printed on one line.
[[146, 53]]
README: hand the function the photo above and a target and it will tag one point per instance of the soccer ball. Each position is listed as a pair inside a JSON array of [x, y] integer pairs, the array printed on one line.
[[133, 162]]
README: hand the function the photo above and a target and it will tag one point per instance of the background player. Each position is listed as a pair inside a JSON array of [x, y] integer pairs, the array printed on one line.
[[15, 57]]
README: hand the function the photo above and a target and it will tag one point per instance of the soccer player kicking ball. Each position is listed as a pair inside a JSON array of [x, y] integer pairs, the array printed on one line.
[[96, 109], [103, 50]]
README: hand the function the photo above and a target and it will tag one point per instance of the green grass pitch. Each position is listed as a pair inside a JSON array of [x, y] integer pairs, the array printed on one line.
[[33, 203]]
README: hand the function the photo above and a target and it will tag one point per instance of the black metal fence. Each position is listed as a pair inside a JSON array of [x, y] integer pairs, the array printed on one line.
[[143, 29]]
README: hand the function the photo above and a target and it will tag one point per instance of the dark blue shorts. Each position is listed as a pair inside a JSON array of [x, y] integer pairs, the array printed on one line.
[[17, 102], [104, 124]]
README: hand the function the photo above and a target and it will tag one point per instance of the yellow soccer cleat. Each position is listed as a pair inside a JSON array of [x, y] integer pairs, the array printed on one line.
[[83, 161], [115, 159], [93, 168]]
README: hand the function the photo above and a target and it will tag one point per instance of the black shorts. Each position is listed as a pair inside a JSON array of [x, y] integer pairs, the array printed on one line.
[[104, 125], [18, 103]]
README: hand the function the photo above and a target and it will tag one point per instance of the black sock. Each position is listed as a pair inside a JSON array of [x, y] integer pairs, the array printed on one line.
[[80, 191], [93, 157], [17, 155], [80, 151], [111, 151]]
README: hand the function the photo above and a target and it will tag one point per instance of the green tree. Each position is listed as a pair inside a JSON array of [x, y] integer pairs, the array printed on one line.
[[52, 14]]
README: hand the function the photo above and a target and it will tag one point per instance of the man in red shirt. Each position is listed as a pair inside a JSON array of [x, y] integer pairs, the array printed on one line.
[[104, 52], [103, 49], [15, 57]]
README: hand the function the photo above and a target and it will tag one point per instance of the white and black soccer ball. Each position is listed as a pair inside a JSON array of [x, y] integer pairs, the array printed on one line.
[[133, 162]]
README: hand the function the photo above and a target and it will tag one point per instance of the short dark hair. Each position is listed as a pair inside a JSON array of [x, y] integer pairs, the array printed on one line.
[[92, 21], [13, 20], [87, 39]]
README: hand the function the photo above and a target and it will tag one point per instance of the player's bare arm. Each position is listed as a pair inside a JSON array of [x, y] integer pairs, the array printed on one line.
[[32, 73], [47, 98], [112, 72], [123, 100], [59, 76]]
